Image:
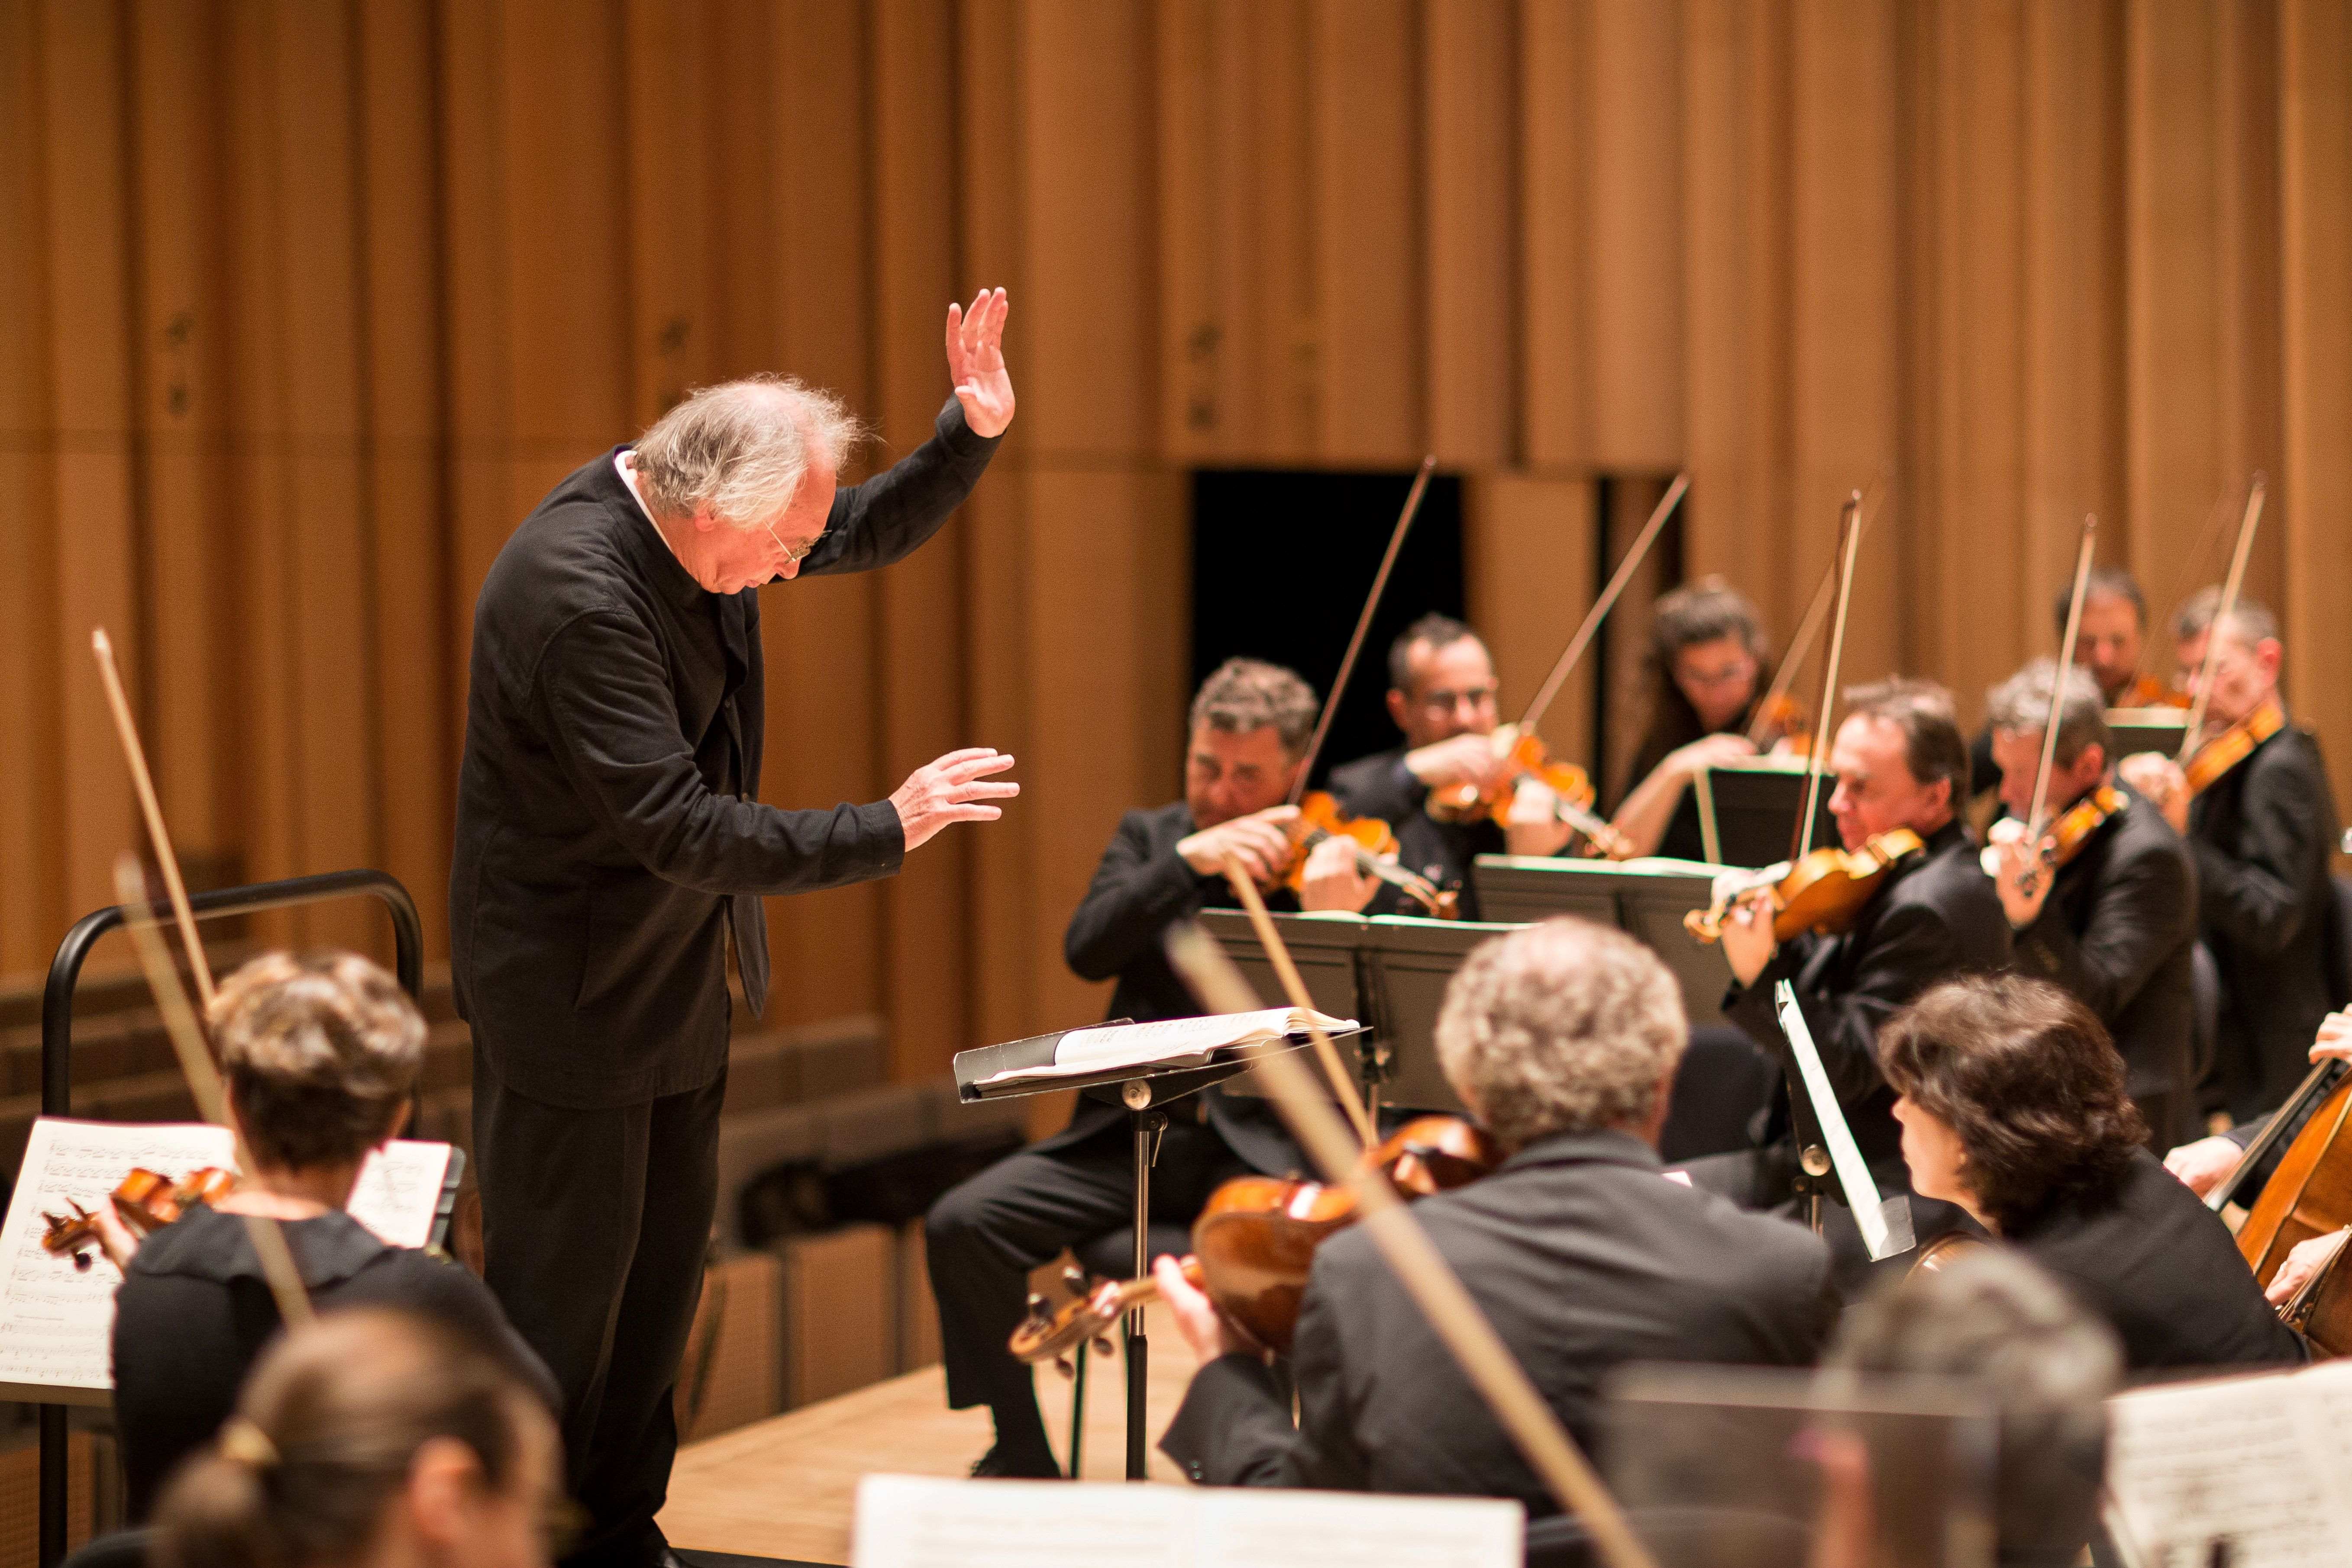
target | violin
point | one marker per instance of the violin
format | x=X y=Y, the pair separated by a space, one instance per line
x=1781 y=718
x=1823 y=891
x=1320 y=817
x=2233 y=745
x=1944 y=1251
x=146 y=1200
x=2309 y=1194
x=1255 y=1240
x=2065 y=837
x=1528 y=759
x=2147 y=692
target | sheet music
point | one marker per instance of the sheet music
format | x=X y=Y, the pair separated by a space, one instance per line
x=1167 y=1042
x=920 y=1521
x=2187 y=1465
x=1878 y=1230
x=56 y=1320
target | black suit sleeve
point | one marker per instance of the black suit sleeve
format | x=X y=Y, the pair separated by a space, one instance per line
x=2256 y=895
x=612 y=720
x=879 y=521
x=2135 y=924
x=1135 y=894
x=1233 y=1429
x=1379 y=786
x=1913 y=944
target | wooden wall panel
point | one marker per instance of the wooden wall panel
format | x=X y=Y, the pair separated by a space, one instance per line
x=1555 y=118
x=1635 y=238
x=1469 y=204
x=1528 y=550
x=1370 y=345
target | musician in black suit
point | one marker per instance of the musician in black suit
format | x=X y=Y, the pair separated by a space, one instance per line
x=1708 y=667
x=609 y=847
x=1562 y=1037
x=2115 y=923
x=2013 y=1105
x=2263 y=829
x=1441 y=692
x=1898 y=760
x=1249 y=725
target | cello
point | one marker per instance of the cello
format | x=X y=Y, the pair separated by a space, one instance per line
x=2309 y=1194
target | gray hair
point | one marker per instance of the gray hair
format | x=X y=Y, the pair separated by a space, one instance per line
x=743 y=448
x=1246 y=694
x=2022 y=704
x=2045 y=1363
x=1567 y=1027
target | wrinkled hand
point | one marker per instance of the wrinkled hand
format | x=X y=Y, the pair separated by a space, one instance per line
x=2334 y=1041
x=2202 y=1165
x=951 y=790
x=1197 y=1319
x=2159 y=778
x=1262 y=841
x=1708 y=752
x=1749 y=943
x=1333 y=880
x=1461 y=758
x=976 y=362
x=1535 y=827
x=2023 y=878
x=2302 y=1263
x=114 y=1238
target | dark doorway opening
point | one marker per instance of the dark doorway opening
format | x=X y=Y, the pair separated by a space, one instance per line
x=1281 y=562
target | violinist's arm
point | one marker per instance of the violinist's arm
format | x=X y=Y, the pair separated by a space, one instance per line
x=1233 y=1428
x=1133 y=897
x=2146 y=910
x=114 y=1238
x=1650 y=809
x=1912 y=948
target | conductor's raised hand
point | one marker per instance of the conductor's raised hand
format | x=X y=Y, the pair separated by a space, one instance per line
x=976 y=362
x=956 y=788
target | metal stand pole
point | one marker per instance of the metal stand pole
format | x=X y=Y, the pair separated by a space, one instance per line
x=1149 y=1125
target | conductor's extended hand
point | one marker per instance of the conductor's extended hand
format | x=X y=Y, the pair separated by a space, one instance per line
x=951 y=790
x=976 y=362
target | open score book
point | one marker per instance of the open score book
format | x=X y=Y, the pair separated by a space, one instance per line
x=1170 y=1042
x=56 y=1321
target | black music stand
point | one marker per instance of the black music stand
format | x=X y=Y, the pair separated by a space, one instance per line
x=2147 y=730
x=56 y=1065
x=1142 y=1091
x=1748 y=810
x=1644 y=898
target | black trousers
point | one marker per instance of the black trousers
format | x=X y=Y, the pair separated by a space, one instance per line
x=984 y=1236
x=595 y=1224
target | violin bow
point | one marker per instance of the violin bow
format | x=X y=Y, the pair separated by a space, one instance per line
x=166 y=859
x=1602 y=605
x=1849 y=545
x=2186 y=573
x=2064 y=668
x=1278 y=953
x=2221 y=612
x=203 y=1079
x=1809 y=627
x=1363 y=626
x=1484 y=1360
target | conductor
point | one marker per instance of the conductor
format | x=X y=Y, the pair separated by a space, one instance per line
x=610 y=847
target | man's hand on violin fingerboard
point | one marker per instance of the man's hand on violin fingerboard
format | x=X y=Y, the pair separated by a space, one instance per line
x=2159 y=778
x=1261 y=840
x=1749 y=943
x=1332 y=880
x=1462 y=759
x=1535 y=827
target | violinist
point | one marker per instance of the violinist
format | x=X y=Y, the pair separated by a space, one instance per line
x=1250 y=723
x=1899 y=762
x=1441 y=694
x=320 y=1053
x=2109 y=644
x=1707 y=665
x=1562 y=1038
x=2105 y=906
x=2256 y=807
x=2012 y=1106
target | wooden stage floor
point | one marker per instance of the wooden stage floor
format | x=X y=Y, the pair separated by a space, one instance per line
x=786 y=1487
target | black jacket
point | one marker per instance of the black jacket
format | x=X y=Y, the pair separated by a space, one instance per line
x=1380 y=785
x=2119 y=929
x=2162 y=1268
x=1583 y=1256
x=195 y=1309
x=2263 y=834
x=608 y=830
x=1936 y=916
x=1141 y=886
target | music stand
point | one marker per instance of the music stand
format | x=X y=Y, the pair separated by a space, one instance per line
x=1644 y=898
x=1747 y=809
x=2147 y=730
x=1142 y=1091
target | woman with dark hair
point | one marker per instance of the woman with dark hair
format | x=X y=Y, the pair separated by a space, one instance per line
x=1707 y=669
x=2013 y=1107
x=371 y=1440
x=319 y=1053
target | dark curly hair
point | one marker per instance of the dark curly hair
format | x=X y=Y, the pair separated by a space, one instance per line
x=2027 y=1078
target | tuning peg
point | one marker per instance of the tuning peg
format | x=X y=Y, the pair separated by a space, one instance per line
x=1039 y=1311
x=1076 y=1279
x=1061 y=1365
x=1103 y=1345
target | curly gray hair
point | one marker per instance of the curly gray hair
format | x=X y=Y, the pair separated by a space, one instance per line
x=743 y=448
x=2022 y=704
x=1565 y=1026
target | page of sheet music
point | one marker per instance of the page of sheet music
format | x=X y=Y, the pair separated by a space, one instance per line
x=56 y=1319
x=2190 y=1465
x=911 y=1522
x=1166 y=1042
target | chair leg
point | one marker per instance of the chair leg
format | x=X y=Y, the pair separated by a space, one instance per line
x=1078 y=1409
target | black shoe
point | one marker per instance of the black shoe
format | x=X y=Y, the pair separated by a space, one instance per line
x=1005 y=1464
